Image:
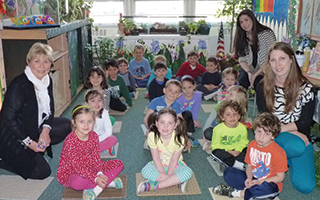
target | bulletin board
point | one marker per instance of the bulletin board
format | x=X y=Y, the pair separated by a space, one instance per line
x=309 y=18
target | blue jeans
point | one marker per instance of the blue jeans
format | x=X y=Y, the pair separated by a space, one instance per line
x=300 y=160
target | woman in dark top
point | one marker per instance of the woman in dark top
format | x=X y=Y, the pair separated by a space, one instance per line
x=251 y=44
x=27 y=125
x=286 y=93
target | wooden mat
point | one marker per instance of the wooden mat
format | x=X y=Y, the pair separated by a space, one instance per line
x=107 y=193
x=144 y=129
x=207 y=108
x=115 y=112
x=215 y=166
x=192 y=188
x=107 y=156
x=136 y=95
x=219 y=197
x=116 y=128
x=145 y=110
x=202 y=141
x=15 y=187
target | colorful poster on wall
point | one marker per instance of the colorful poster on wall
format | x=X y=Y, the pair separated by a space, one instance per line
x=274 y=10
x=314 y=68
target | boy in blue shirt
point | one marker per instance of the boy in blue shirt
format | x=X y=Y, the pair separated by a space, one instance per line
x=140 y=67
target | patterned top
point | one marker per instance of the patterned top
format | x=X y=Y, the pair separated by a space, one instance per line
x=265 y=38
x=79 y=158
x=305 y=96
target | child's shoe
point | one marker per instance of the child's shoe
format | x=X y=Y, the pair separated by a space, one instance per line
x=223 y=190
x=118 y=182
x=88 y=194
x=194 y=142
x=147 y=186
x=132 y=95
x=146 y=95
x=183 y=187
x=110 y=151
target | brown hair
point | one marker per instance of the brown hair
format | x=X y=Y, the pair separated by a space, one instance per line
x=269 y=123
x=138 y=46
x=181 y=128
x=122 y=60
x=99 y=71
x=230 y=70
x=159 y=65
x=241 y=96
x=90 y=94
x=231 y=104
x=82 y=109
x=292 y=83
x=174 y=82
x=159 y=58
x=193 y=53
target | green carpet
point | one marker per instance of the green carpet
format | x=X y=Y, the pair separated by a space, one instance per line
x=134 y=157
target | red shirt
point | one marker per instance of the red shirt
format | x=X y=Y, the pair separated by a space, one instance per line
x=266 y=162
x=185 y=69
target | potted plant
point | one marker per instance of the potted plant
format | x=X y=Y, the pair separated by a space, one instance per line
x=121 y=25
x=193 y=28
x=130 y=27
x=78 y=9
x=204 y=27
x=101 y=50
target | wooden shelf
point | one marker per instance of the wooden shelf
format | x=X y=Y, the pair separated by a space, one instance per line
x=58 y=54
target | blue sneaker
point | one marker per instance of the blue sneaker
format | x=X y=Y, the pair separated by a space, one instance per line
x=118 y=182
x=194 y=142
x=88 y=194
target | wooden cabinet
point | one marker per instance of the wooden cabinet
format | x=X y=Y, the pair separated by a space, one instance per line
x=70 y=59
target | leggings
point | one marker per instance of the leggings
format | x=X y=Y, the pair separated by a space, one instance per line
x=108 y=143
x=300 y=160
x=114 y=167
x=150 y=171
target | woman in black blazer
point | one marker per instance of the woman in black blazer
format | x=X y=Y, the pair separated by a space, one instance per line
x=27 y=124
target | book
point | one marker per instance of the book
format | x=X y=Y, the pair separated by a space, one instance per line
x=314 y=66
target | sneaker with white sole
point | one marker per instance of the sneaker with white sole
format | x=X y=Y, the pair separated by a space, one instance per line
x=183 y=187
x=223 y=190
x=88 y=194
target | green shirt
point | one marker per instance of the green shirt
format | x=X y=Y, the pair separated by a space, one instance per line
x=118 y=88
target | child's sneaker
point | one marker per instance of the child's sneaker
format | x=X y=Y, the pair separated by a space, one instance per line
x=216 y=159
x=110 y=151
x=132 y=95
x=223 y=190
x=88 y=194
x=118 y=182
x=147 y=186
x=183 y=187
x=194 y=142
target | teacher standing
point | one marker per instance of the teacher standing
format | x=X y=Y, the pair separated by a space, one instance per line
x=251 y=44
x=27 y=125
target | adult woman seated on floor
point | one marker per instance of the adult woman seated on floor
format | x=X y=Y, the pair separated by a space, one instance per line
x=286 y=93
x=251 y=44
x=27 y=125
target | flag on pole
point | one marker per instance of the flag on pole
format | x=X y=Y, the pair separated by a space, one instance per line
x=220 y=48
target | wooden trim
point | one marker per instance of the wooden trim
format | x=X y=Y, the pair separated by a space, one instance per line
x=58 y=54
x=8 y=34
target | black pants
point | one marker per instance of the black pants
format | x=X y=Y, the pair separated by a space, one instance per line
x=116 y=104
x=187 y=116
x=227 y=158
x=244 y=80
x=207 y=133
x=61 y=127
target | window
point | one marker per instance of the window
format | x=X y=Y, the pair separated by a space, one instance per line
x=208 y=8
x=106 y=12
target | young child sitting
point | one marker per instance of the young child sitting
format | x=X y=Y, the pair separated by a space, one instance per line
x=126 y=75
x=267 y=164
x=160 y=58
x=230 y=137
x=96 y=79
x=211 y=78
x=229 y=78
x=118 y=87
x=103 y=126
x=80 y=166
x=140 y=67
x=166 y=140
x=192 y=68
x=235 y=93
x=156 y=86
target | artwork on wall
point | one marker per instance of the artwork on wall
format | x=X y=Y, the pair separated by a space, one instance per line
x=316 y=18
x=314 y=68
x=309 y=18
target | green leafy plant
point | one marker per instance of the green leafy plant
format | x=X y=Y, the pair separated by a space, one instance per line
x=129 y=25
x=101 y=50
x=78 y=9
x=193 y=28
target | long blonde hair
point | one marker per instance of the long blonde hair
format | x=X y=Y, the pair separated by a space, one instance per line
x=292 y=83
x=241 y=97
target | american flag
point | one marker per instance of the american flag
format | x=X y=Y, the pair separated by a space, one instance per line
x=220 y=47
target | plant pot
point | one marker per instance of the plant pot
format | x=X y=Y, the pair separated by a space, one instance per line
x=121 y=28
x=204 y=30
x=135 y=32
x=300 y=59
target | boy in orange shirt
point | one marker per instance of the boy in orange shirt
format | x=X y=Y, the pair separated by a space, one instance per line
x=267 y=164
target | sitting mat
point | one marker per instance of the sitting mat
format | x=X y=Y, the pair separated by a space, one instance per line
x=215 y=165
x=219 y=197
x=107 y=193
x=116 y=128
x=207 y=108
x=116 y=112
x=107 y=156
x=15 y=187
x=192 y=188
x=136 y=95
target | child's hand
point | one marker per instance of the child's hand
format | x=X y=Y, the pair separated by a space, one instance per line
x=248 y=183
x=197 y=124
x=257 y=182
x=234 y=153
x=102 y=180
